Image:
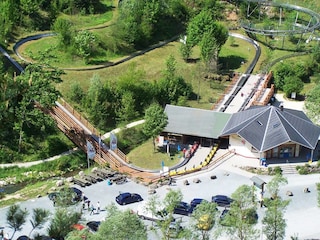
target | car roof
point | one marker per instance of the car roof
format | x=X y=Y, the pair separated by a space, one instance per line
x=221 y=196
x=197 y=200
x=124 y=195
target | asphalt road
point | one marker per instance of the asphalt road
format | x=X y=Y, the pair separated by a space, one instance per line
x=302 y=214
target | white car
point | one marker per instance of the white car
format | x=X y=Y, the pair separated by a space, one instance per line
x=144 y=212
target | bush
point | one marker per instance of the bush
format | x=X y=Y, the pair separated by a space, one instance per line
x=304 y=170
x=278 y=170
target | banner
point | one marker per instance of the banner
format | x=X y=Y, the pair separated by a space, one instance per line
x=113 y=141
x=91 y=152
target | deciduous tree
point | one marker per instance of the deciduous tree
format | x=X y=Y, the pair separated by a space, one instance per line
x=292 y=84
x=274 y=224
x=204 y=216
x=120 y=225
x=155 y=120
x=242 y=214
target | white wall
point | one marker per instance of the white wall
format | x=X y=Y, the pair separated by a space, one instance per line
x=241 y=146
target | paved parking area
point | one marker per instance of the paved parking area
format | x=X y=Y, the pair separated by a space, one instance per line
x=302 y=214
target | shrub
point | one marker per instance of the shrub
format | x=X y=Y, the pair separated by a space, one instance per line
x=303 y=170
x=278 y=170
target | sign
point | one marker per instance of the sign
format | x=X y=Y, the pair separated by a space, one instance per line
x=113 y=141
x=91 y=152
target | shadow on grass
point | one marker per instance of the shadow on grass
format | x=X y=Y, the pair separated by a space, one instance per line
x=231 y=62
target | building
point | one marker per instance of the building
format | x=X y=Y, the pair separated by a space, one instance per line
x=258 y=132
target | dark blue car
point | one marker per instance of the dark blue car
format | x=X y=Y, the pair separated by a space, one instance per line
x=183 y=208
x=222 y=200
x=127 y=198
x=196 y=201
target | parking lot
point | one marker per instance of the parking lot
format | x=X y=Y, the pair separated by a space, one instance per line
x=302 y=213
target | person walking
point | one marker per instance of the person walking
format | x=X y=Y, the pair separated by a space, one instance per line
x=98 y=207
x=88 y=204
x=92 y=209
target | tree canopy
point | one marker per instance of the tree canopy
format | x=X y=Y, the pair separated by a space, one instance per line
x=120 y=225
x=155 y=120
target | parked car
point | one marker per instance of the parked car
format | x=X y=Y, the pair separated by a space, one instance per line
x=53 y=195
x=144 y=212
x=223 y=216
x=23 y=237
x=222 y=200
x=78 y=194
x=174 y=229
x=196 y=201
x=183 y=208
x=93 y=225
x=127 y=198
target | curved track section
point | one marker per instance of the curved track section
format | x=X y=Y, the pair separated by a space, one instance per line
x=298 y=30
x=13 y=62
x=27 y=39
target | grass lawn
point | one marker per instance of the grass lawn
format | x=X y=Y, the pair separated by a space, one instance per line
x=27 y=192
x=144 y=156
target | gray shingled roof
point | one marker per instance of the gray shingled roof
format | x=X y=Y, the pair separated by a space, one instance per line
x=195 y=122
x=266 y=127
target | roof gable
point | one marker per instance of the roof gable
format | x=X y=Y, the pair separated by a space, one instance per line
x=266 y=127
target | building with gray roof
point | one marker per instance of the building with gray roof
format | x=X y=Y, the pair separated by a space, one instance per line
x=258 y=132
x=187 y=124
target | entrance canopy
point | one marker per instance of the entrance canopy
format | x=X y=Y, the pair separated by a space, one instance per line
x=258 y=182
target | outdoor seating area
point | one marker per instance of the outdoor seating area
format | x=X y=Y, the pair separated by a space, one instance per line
x=99 y=175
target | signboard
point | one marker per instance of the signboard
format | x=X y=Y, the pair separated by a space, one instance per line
x=91 y=152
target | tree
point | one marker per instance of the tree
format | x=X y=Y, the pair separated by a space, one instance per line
x=273 y=221
x=127 y=112
x=282 y=71
x=120 y=225
x=133 y=82
x=170 y=87
x=35 y=86
x=209 y=51
x=203 y=30
x=273 y=187
x=16 y=218
x=185 y=51
x=292 y=84
x=64 y=30
x=76 y=92
x=39 y=217
x=204 y=215
x=84 y=41
x=312 y=104
x=242 y=214
x=171 y=200
x=100 y=102
x=62 y=222
x=155 y=121
x=7 y=20
x=274 y=224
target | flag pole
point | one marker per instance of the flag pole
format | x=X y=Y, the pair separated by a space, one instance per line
x=88 y=160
